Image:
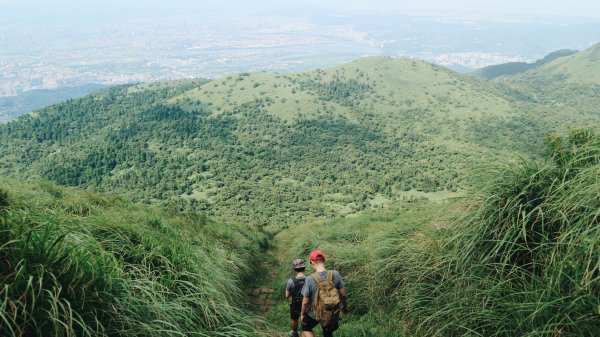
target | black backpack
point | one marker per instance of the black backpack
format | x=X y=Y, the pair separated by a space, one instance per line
x=297 y=289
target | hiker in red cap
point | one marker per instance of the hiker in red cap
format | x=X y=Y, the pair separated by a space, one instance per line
x=324 y=293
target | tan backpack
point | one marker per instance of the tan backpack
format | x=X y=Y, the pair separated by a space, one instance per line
x=326 y=304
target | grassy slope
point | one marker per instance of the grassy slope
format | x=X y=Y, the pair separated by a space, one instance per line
x=399 y=88
x=579 y=68
x=566 y=90
x=359 y=248
x=406 y=97
x=519 y=258
x=74 y=263
x=514 y=68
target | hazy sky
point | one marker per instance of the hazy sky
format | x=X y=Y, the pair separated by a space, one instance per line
x=106 y=9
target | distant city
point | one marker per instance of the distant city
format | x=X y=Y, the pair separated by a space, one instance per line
x=53 y=56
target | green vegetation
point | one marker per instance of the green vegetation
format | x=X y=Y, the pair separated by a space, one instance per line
x=513 y=68
x=354 y=247
x=565 y=91
x=578 y=68
x=520 y=257
x=361 y=160
x=80 y=264
x=287 y=148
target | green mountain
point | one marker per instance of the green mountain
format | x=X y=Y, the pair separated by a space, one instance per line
x=513 y=68
x=275 y=148
x=579 y=68
x=568 y=87
x=254 y=170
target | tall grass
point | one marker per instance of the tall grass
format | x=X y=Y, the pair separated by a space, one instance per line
x=79 y=264
x=352 y=246
x=524 y=262
x=519 y=257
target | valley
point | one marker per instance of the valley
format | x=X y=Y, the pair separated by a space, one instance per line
x=451 y=204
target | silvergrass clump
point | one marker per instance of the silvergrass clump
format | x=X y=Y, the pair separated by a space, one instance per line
x=116 y=268
x=525 y=262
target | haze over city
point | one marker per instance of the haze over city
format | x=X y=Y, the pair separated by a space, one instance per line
x=75 y=44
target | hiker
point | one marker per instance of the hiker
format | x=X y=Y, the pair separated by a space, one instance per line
x=322 y=293
x=293 y=290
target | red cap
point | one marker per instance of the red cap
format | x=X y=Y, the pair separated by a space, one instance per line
x=317 y=255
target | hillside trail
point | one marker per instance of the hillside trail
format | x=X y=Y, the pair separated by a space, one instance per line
x=262 y=294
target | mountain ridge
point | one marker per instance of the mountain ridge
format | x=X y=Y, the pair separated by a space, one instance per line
x=513 y=68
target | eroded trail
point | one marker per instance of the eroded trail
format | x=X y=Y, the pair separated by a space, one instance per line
x=261 y=299
x=265 y=294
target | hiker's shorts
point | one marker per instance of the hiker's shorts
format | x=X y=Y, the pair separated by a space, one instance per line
x=295 y=309
x=311 y=323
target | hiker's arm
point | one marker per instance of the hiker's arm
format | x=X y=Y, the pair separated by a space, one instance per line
x=343 y=296
x=288 y=289
x=304 y=307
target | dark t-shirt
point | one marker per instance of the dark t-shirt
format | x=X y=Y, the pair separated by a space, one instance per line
x=310 y=288
x=290 y=284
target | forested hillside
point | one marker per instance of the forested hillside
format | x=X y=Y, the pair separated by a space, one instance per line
x=277 y=148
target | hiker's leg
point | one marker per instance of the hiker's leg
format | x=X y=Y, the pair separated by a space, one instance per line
x=328 y=331
x=294 y=316
x=308 y=325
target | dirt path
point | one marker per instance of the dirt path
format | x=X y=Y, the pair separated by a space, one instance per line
x=261 y=299
x=262 y=295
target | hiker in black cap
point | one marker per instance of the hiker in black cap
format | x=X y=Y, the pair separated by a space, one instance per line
x=293 y=290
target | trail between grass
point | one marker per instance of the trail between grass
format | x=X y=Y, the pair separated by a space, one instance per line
x=262 y=295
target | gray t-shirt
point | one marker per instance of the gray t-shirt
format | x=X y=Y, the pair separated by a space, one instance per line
x=310 y=288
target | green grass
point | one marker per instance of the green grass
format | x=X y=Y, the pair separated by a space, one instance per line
x=82 y=264
x=517 y=257
x=523 y=262
x=353 y=247
x=573 y=69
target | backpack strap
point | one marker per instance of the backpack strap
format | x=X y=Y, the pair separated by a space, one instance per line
x=330 y=276
x=296 y=292
x=316 y=277
x=297 y=281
